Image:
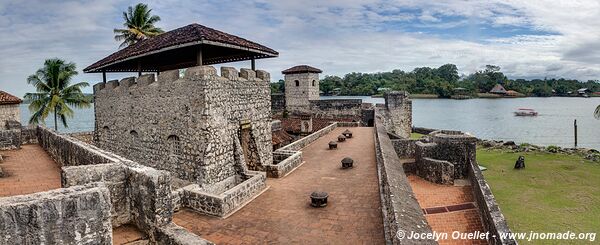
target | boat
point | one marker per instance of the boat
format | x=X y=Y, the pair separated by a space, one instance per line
x=526 y=112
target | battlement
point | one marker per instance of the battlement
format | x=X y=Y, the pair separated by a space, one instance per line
x=192 y=73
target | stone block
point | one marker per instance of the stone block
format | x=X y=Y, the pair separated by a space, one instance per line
x=76 y=215
x=145 y=80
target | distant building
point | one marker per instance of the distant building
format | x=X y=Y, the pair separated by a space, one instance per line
x=301 y=86
x=9 y=108
x=498 y=89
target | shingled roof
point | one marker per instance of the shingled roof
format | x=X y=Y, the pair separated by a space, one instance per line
x=178 y=49
x=8 y=99
x=301 y=69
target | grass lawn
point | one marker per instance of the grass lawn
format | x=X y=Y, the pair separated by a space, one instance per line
x=416 y=135
x=554 y=193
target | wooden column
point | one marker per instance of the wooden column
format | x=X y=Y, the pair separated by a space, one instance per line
x=104 y=76
x=139 y=69
x=253 y=64
x=199 y=57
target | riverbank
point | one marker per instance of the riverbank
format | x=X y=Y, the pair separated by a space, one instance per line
x=554 y=192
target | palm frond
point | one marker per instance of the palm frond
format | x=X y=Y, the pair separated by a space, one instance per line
x=597 y=113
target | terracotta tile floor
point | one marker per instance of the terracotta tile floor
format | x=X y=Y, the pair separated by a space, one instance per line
x=283 y=214
x=127 y=234
x=30 y=169
x=434 y=195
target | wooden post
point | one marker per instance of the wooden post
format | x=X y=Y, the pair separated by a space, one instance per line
x=139 y=69
x=103 y=76
x=253 y=64
x=199 y=56
x=575 y=125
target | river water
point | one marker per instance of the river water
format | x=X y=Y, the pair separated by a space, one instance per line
x=485 y=118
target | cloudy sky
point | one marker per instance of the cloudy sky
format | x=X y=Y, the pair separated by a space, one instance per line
x=528 y=39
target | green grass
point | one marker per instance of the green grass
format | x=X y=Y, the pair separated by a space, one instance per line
x=416 y=135
x=554 y=193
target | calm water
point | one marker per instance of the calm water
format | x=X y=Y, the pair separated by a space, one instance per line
x=485 y=118
x=494 y=118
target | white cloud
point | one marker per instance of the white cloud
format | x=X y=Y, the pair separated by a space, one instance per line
x=338 y=36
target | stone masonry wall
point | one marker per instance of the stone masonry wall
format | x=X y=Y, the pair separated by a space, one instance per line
x=400 y=208
x=139 y=195
x=398 y=119
x=186 y=125
x=297 y=97
x=335 y=109
x=9 y=113
x=76 y=215
x=277 y=103
x=493 y=219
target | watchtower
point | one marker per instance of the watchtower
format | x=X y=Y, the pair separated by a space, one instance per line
x=301 y=86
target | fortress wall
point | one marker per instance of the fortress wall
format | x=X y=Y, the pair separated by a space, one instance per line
x=277 y=103
x=400 y=208
x=9 y=113
x=335 y=109
x=76 y=215
x=186 y=125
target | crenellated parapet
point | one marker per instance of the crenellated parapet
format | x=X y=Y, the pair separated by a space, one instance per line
x=193 y=73
x=188 y=124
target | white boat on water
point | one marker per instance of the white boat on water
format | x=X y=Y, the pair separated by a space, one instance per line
x=526 y=112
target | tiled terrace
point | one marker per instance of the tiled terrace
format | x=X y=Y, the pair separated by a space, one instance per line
x=29 y=169
x=283 y=215
x=444 y=212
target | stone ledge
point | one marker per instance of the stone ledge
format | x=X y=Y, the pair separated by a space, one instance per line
x=493 y=219
x=400 y=208
x=227 y=202
x=280 y=168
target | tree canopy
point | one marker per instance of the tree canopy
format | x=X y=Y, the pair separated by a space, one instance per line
x=139 y=25
x=55 y=92
x=443 y=81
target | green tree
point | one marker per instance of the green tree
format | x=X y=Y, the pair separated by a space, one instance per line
x=139 y=25
x=55 y=93
x=448 y=72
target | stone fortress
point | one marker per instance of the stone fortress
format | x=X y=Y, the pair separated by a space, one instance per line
x=207 y=141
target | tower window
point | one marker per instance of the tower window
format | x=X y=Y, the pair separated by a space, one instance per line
x=297 y=83
x=314 y=83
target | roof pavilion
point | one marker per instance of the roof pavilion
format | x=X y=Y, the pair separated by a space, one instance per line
x=188 y=46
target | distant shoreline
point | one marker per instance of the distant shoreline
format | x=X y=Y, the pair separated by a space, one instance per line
x=479 y=96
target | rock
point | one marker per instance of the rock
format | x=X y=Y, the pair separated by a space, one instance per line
x=509 y=143
x=520 y=164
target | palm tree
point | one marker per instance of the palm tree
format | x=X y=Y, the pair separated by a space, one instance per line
x=139 y=25
x=55 y=93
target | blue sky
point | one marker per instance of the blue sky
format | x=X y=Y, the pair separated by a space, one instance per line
x=528 y=39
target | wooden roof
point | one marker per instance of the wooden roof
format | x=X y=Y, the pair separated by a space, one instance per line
x=301 y=69
x=8 y=99
x=498 y=89
x=179 y=48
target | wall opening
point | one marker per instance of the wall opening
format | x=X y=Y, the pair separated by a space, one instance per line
x=297 y=83
x=134 y=139
x=313 y=83
x=249 y=148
